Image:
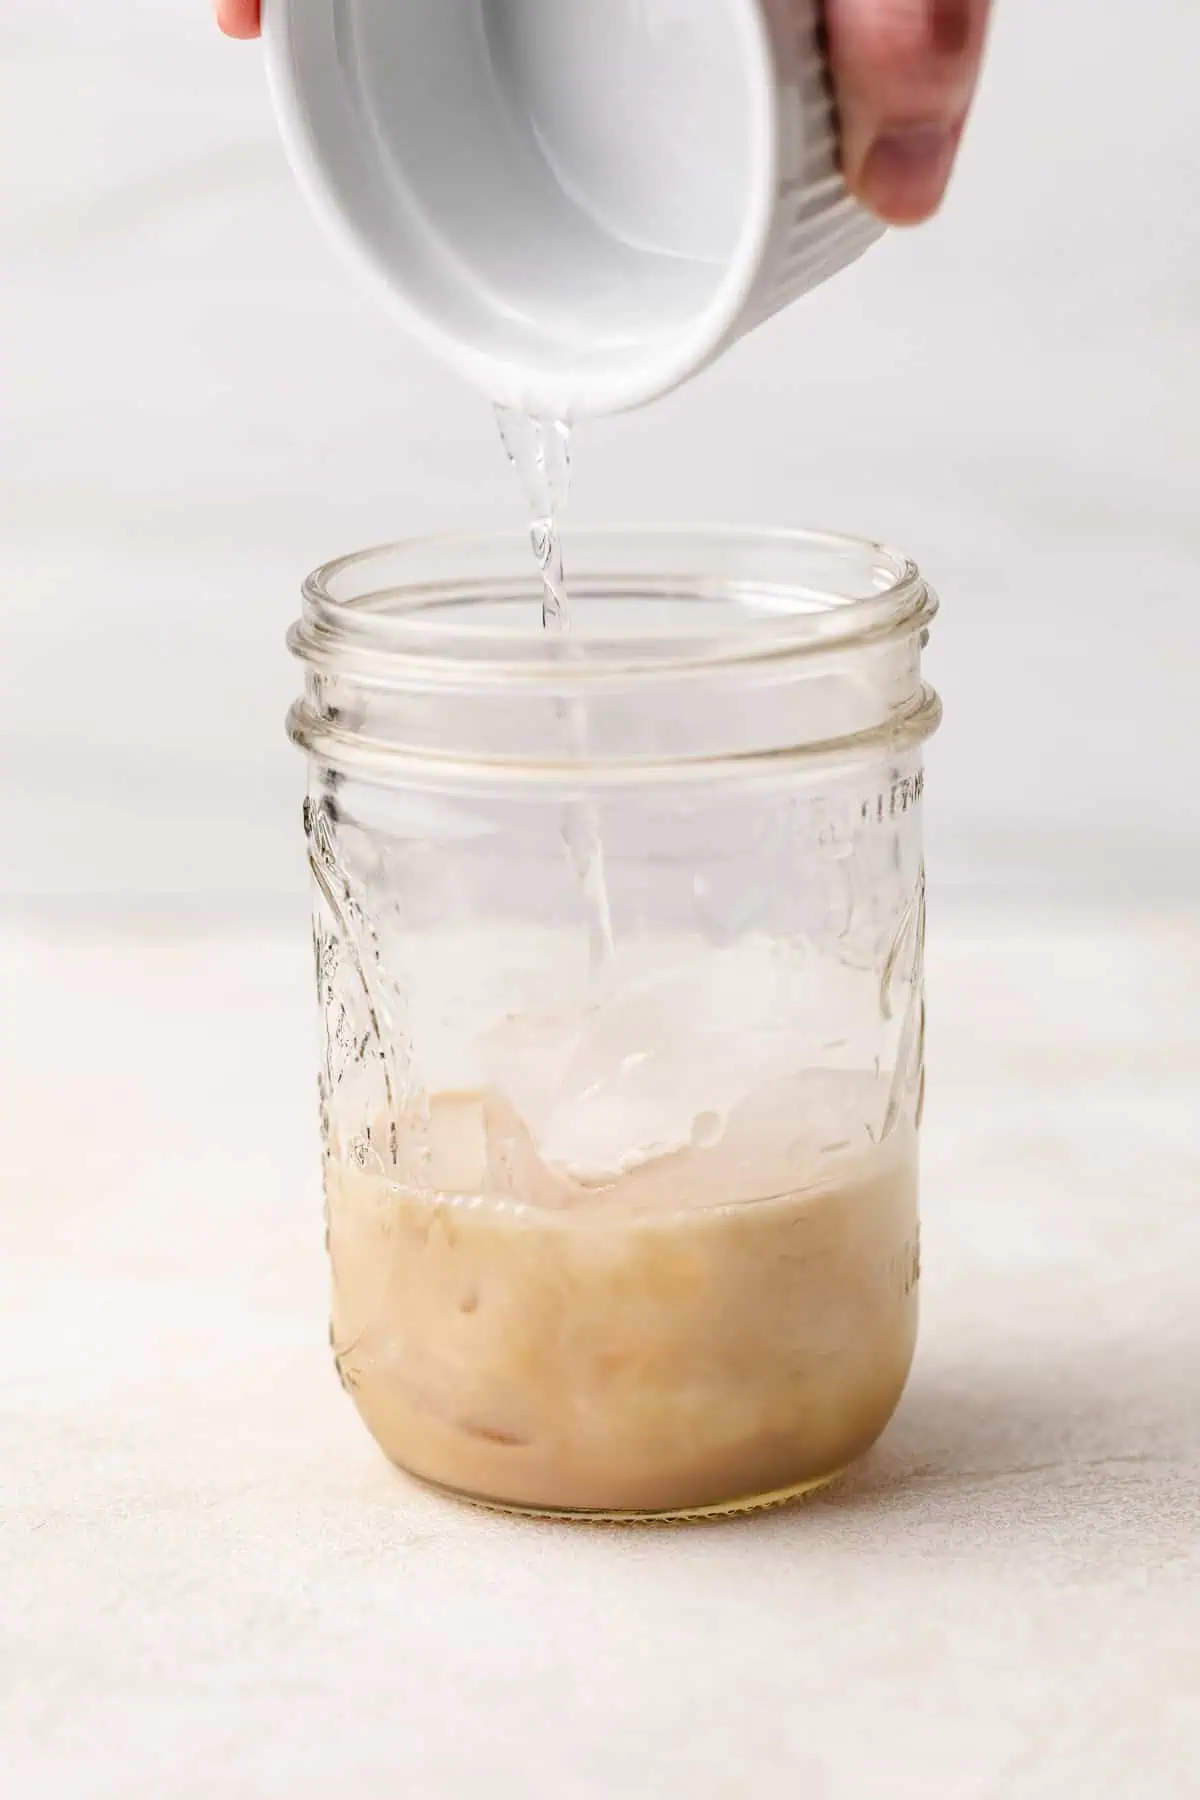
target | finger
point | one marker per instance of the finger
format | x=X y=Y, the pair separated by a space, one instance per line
x=905 y=72
x=238 y=18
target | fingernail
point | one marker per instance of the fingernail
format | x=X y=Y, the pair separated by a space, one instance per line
x=906 y=171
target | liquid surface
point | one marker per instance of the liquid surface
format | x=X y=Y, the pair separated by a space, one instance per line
x=714 y=1325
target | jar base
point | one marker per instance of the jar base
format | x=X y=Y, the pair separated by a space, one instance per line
x=684 y=1515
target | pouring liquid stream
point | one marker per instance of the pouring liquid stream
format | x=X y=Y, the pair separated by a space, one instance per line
x=540 y=453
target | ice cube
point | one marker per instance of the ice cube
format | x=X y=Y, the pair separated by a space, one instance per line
x=612 y=1088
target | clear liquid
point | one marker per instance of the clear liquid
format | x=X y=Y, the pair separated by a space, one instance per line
x=540 y=453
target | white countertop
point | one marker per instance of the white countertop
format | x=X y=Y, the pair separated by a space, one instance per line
x=213 y=1585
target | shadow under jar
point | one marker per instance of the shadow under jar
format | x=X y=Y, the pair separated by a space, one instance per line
x=619 y=948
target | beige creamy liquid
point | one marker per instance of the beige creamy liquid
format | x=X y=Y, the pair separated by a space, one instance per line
x=715 y=1326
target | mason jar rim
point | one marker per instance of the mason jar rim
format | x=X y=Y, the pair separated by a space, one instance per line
x=427 y=662
x=395 y=615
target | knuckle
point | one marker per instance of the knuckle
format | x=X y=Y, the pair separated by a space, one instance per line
x=916 y=54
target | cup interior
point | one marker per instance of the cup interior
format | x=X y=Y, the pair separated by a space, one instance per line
x=570 y=190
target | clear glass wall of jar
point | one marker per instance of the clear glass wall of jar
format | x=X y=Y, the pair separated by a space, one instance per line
x=619 y=947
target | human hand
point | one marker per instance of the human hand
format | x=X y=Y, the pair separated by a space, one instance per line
x=905 y=73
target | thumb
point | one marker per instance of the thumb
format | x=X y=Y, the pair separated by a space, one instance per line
x=238 y=18
x=905 y=72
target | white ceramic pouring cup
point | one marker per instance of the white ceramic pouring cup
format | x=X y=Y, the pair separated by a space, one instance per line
x=577 y=203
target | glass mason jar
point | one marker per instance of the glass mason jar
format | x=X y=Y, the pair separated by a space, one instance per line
x=619 y=948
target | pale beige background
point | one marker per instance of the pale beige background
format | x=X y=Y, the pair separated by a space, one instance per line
x=196 y=405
